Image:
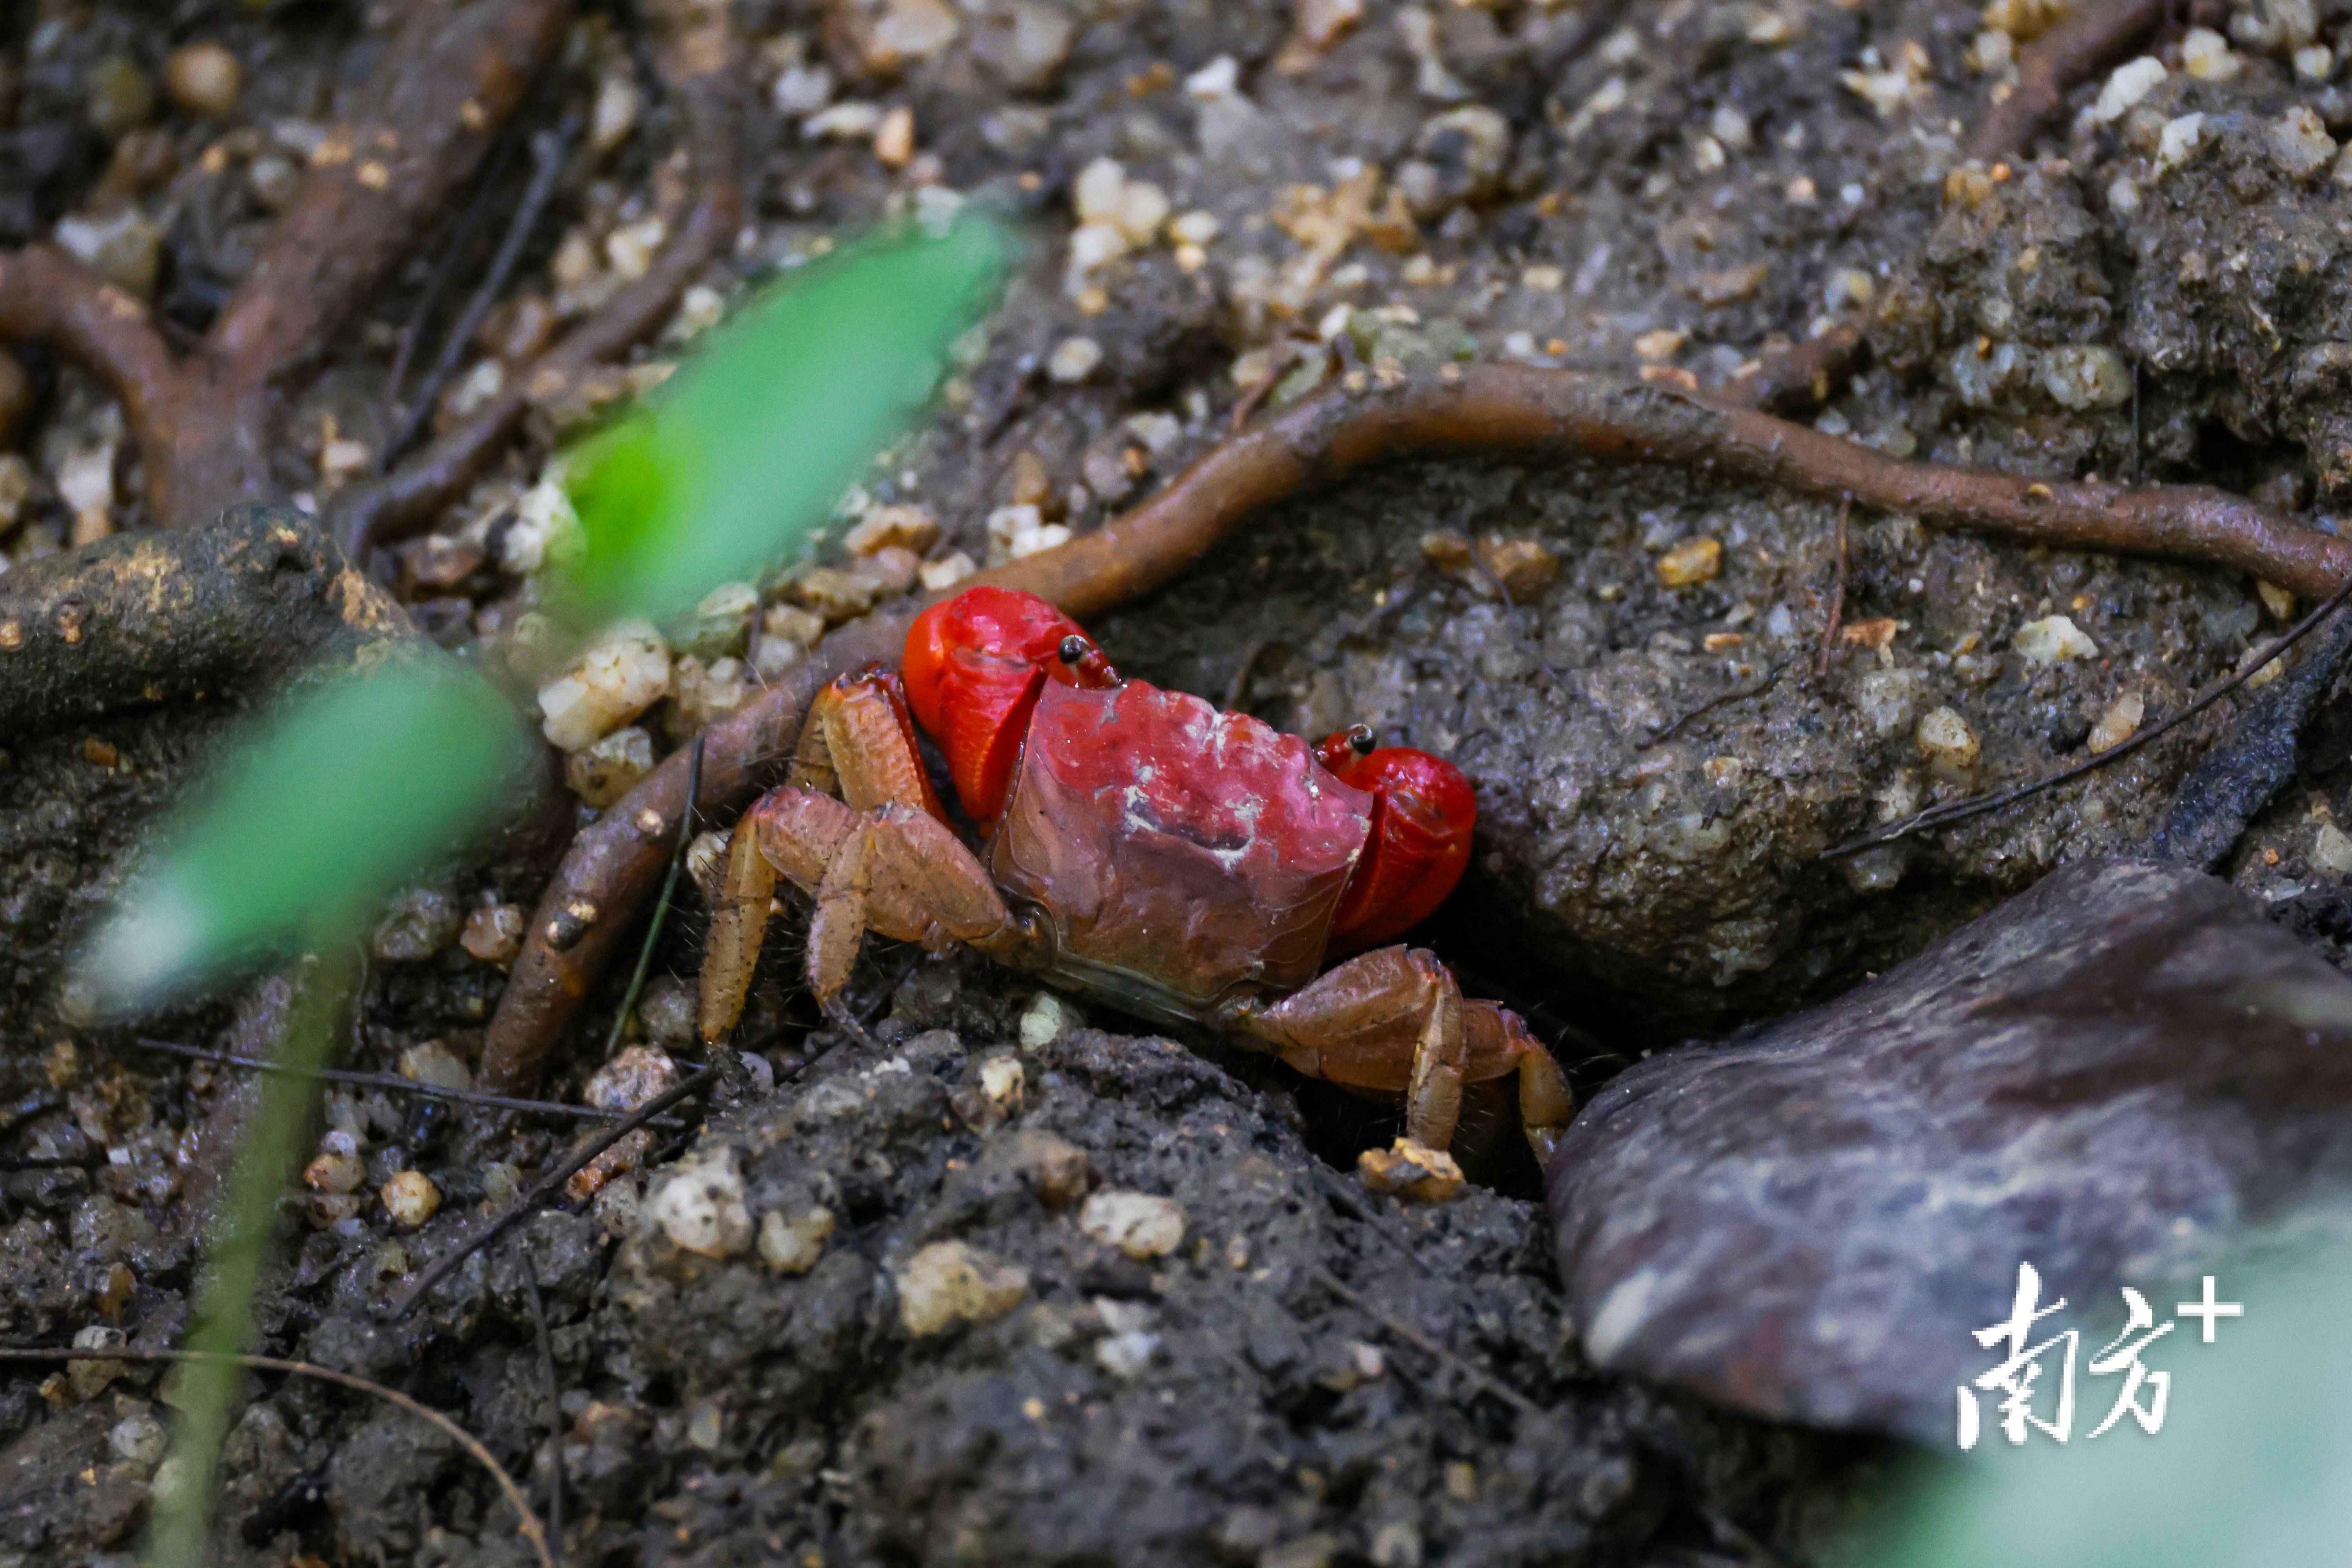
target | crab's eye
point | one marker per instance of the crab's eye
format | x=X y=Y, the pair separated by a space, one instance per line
x=1074 y=649
x=1360 y=739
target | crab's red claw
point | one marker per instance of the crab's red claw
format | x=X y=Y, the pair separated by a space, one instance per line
x=1422 y=814
x=974 y=666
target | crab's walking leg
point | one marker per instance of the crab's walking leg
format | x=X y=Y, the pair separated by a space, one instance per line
x=1389 y=1021
x=738 y=919
x=1500 y=1045
x=900 y=873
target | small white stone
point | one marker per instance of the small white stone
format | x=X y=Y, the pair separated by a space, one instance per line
x=139 y=1437
x=603 y=772
x=700 y=1207
x=410 y=1198
x=2126 y=85
x=1043 y=1021
x=793 y=1245
x=2178 y=140
x=2053 y=639
x=1129 y=1355
x=630 y=250
x=947 y=571
x=2119 y=723
x=1950 y=747
x=435 y=1063
x=615 y=113
x=2086 y=375
x=2332 y=850
x=1199 y=227
x=2300 y=142
x=1074 y=359
x=801 y=91
x=851 y=121
x=706 y=1425
x=1003 y=1080
x=907 y=526
x=1219 y=79
x=1139 y=1223
x=2314 y=62
x=619 y=678
x=1093 y=245
x=949 y=1281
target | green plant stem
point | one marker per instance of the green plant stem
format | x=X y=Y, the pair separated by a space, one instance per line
x=223 y=1318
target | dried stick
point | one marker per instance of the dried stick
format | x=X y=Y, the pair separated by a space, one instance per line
x=391 y=1082
x=549 y=1185
x=1427 y=1346
x=612 y=866
x=2095 y=34
x=699 y=63
x=532 y=1531
x=547 y=156
x=1802 y=376
x=1953 y=811
x=551 y=1387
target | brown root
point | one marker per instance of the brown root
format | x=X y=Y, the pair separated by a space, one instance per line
x=612 y=866
x=2095 y=34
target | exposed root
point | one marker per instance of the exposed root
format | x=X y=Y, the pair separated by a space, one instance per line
x=150 y=617
x=2094 y=36
x=698 y=59
x=1799 y=377
x=449 y=76
x=528 y=1522
x=612 y=868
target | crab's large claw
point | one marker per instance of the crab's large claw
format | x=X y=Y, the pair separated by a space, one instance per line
x=1422 y=814
x=974 y=665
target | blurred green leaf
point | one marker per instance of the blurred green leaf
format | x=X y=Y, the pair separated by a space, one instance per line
x=751 y=443
x=2252 y=1465
x=308 y=824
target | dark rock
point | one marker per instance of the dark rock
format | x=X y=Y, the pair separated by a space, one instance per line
x=2110 y=1078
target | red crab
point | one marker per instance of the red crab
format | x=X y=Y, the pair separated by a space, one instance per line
x=1181 y=864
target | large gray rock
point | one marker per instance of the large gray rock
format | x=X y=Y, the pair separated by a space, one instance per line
x=2112 y=1077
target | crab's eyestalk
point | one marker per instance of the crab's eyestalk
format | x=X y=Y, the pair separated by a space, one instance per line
x=1424 y=813
x=974 y=666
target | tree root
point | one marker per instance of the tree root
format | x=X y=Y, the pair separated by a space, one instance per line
x=208 y=425
x=152 y=618
x=449 y=76
x=613 y=866
x=2096 y=35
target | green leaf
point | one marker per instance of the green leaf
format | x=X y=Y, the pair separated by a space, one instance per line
x=731 y=462
x=2253 y=1464
x=308 y=824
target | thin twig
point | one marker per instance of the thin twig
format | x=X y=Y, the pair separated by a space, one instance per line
x=548 y=1187
x=661 y=908
x=547 y=1383
x=1953 y=811
x=548 y=153
x=444 y=272
x=532 y=1531
x=386 y=1080
x=1739 y=694
x=1422 y=1342
x=1837 y=592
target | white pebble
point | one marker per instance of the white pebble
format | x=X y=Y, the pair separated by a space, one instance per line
x=602 y=772
x=2054 y=639
x=1219 y=79
x=2086 y=375
x=435 y=1063
x=2332 y=850
x=2126 y=85
x=1199 y=227
x=615 y=113
x=1138 y=1224
x=1074 y=359
x=1002 y=1081
x=1945 y=739
x=793 y=1245
x=2314 y=62
x=1129 y=1355
x=947 y=571
x=1043 y=1021
x=2119 y=723
x=410 y=1198
x=700 y=1207
x=2178 y=140
x=949 y=1281
x=2300 y=141
x=624 y=674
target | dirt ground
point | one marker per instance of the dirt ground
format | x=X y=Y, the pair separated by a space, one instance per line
x=1305 y=1373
